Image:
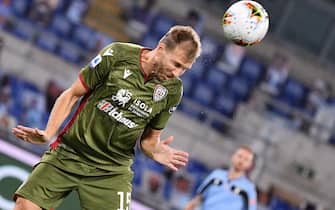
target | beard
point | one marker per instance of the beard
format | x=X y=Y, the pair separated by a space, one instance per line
x=159 y=71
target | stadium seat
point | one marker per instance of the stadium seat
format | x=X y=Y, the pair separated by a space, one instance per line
x=279 y=204
x=195 y=166
x=198 y=68
x=46 y=40
x=293 y=93
x=138 y=169
x=62 y=6
x=197 y=170
x=20 y=7
x=251 y=69
x=332 y=139
x=203 y=94
x=85 y=37
x=217 y=79
x=153 y=165
x=62 y=27
x=240 y=88
x=225 y=104
x=70 y=52
x=211 y=49
x=161 y=25
x=189 y=82
x=150 y=41
x=24 y=29
x=104 y=39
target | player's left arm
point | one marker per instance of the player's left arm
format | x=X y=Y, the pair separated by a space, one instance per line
x=252 y=199
x=160 y=150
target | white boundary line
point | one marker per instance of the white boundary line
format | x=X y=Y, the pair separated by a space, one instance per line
x=18 y=153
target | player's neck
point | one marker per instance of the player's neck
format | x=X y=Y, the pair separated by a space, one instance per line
x=146 y=57
x=234 y=174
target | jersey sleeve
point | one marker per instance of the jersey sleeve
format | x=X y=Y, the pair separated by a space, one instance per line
x=252 y=198
x=160 y=120
x=98 y=69
x=201 y=189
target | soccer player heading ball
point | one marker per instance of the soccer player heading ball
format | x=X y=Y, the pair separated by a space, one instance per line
x=129 y=93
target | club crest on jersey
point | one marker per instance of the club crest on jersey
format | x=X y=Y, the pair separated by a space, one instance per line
x=160 y=93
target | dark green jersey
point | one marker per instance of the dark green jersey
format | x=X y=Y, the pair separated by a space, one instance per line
x=119 y=106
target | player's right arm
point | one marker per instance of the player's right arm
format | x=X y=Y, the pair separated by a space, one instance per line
x=89 y=77
x=194 y=202
x=60 y=111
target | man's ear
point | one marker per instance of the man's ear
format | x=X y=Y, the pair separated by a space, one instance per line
x=161 y=46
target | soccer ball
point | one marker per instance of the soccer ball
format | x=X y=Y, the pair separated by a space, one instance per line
x=245 y=23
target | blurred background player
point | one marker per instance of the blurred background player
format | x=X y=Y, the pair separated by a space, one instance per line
x=228 y=189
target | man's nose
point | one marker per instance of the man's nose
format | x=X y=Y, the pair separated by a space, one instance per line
x=176 y=72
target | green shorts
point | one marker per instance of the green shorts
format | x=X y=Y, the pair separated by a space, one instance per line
x=48 y=185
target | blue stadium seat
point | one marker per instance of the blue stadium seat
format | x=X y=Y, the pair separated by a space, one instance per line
x=293 y=93
x=150 y=41
x=85 y=37
x=46 y=40
x=225 y=104
x=332 y=139
x=5 y=13
x=62 y=6
x=203 y=94
x=240 y=88
x=153 y=165
x=70 y=52
x=198 y=171
x=62 y=27
x=20 y=7
x=189 y=82
x=138 y=169
x=279 y=204
x=161 y=25
x=198 y=69
x=196 y=166
x=24 y=29
x=251 y=69
x=104 y=39
x=217 y=79
x=211 y=49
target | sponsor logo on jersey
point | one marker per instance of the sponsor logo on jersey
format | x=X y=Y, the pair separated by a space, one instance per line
x=109 y=52
x=122 y=97
x=126 y=73
x=140 y=108
x=114 y=112
x=160 y=93
x=95 y=61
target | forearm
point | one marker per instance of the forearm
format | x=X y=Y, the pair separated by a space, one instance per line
x=148 y=146
x=60 y=111
x=194 y=202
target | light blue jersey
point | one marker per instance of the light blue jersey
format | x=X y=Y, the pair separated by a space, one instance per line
x=220 y=193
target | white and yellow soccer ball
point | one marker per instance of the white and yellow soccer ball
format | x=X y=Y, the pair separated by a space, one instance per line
x=245 y=23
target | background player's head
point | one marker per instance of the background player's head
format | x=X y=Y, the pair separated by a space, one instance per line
x=176 y=52
x=242 y=159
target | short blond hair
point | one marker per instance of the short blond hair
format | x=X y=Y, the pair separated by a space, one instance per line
x=183 y=34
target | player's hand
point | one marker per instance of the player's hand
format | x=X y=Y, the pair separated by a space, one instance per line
x=31 y=135
x=168 y=156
